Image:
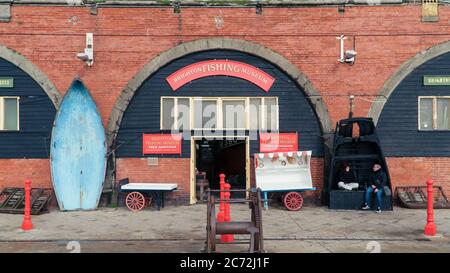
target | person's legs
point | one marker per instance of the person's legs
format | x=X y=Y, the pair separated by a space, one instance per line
x=368 y=196
x=344 y=186
x=379 y=194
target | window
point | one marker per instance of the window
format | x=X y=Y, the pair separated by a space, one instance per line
x=9 y=113
x=434 y=113
x=233 y=113
x=205 y=113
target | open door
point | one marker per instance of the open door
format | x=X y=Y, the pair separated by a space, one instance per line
x=211 y=156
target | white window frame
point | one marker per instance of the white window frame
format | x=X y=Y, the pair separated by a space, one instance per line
x=219 y=117
x=218 y=113
x=246 y=112
x=2 y=113
x=434 y=98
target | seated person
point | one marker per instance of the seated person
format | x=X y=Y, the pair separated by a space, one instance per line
x=377 y=181
x=347 y=179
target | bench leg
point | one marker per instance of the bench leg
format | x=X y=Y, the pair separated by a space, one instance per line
x=158 y=200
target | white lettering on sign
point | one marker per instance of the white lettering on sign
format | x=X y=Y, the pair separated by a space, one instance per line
x=220 y=67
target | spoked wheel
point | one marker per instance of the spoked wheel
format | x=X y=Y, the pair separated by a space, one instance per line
x=135 y=201
x=293 y=201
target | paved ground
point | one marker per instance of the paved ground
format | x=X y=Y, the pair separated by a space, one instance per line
x=182 y=229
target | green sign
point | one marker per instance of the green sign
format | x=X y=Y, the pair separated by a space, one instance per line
x=436 y=80
x=6 y=82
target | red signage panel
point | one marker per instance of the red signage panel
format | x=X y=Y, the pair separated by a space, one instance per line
x=161 y=143
x=278 y=142
x=223 y=68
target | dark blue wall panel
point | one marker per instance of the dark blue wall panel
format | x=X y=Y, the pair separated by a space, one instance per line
x=36 y=116
x=143 y=112
x=398 y=122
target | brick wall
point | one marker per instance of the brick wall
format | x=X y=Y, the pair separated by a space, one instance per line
x=125 y=39
x=13 y=172
x=168 y=170
x=415 y=171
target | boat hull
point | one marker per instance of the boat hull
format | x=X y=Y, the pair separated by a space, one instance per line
x=78 y=151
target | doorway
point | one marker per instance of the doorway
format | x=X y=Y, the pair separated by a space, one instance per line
x=212 y=156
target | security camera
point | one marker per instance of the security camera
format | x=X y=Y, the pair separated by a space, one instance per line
x=88 y=54
x=349 y=56
x=83 y=56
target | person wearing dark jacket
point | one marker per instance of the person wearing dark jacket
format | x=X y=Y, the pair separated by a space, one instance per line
x=347 y=179
x=377 y=181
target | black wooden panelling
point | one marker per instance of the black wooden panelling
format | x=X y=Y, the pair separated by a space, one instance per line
x=36 y=116
x=143 y=112
x=398 y=122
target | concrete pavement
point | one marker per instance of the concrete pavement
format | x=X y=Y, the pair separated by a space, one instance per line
x=182 y=229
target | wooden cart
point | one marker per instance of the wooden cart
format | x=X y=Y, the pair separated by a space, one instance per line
x=140 y=195
x=288 y=173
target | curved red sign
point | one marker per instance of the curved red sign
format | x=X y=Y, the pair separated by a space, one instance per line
x=222 y=68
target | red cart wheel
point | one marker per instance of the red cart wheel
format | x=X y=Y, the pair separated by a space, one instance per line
x=135 y=201
x=293 y=201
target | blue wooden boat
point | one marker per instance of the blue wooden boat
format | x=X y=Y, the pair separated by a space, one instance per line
x=78 y=151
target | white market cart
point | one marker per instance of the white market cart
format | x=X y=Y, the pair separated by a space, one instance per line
x=139 y=195
x=286 y=172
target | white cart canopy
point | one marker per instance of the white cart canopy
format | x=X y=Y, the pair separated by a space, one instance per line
x=287 y=171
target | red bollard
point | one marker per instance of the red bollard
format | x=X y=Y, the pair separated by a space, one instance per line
x=430 y=228
x=227 y=238
x=222 y=197
x=226 y=195
x=27 y=224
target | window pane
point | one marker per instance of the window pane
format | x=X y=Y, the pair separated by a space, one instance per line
x=426 y=114
x=10 y=105
x=255 y=114
x=168 y=115
x=233 y=113
x=271 y=113
x=443 y=114
x=205 y=114
x=183 y=114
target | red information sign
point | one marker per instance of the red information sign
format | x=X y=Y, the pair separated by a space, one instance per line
x=220 y=67
x=278 y=142
x=161 y=144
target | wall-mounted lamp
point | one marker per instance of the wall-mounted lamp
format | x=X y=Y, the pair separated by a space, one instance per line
x=351 y=98
x=347 y=56
x=88 y=54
